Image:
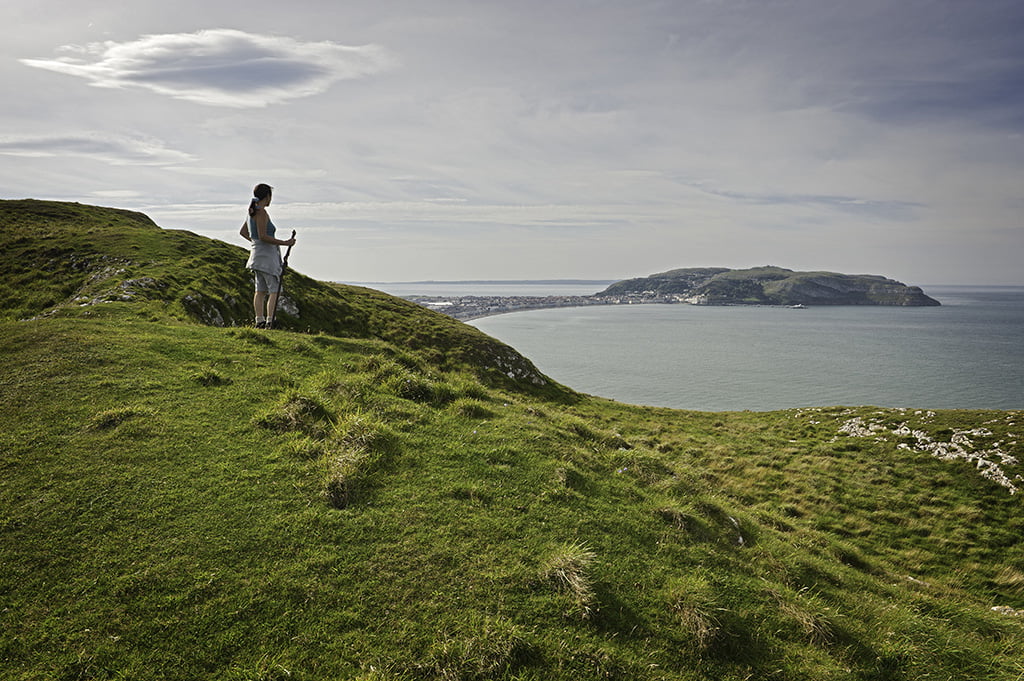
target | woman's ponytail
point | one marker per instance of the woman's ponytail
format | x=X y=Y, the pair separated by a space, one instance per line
x=260 y=192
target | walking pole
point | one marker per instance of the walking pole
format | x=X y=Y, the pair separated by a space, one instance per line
x=280 y=285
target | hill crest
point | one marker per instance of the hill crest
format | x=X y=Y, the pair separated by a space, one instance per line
x=73 y=259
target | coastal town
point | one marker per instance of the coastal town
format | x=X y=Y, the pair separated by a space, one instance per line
x=474 y=307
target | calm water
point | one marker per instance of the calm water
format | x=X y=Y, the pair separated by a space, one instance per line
x=969 y=353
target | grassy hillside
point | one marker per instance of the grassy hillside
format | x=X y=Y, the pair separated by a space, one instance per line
x=67 y=259
x=182 y=500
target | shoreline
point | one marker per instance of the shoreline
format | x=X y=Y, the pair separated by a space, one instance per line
x=468 y=308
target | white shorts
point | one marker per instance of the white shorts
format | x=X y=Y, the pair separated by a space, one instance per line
x=266 y=282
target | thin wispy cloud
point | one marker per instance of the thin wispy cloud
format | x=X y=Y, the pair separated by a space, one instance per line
x=105 y=147
x=895 y=210
x=220 y=67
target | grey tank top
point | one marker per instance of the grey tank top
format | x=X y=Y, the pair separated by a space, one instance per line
x=263 y=256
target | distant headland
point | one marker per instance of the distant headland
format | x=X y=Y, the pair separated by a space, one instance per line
x=706 y=286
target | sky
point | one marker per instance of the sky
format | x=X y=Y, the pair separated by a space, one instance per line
x=412 y=140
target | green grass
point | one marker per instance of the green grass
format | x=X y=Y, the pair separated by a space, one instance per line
x=183 y=501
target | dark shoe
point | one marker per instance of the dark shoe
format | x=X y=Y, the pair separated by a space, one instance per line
x=261 y=325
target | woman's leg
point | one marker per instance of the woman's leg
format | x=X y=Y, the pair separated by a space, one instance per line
x=259 y=305
x=271 y=305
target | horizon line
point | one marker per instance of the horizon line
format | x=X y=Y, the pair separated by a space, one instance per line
x=602 y=281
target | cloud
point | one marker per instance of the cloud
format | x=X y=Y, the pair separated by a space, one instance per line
x=892 y=210
x=121 y=194
x=449 y=213
x=106 y=147
x=276 y=173
x=220 y=67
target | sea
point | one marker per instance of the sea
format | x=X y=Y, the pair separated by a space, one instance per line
x=966 y=354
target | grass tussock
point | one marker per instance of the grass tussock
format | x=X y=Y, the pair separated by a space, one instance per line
x=685 y=524
x=693 y=603
x=303 y=447
x=570 y=478
x=568 y=570
x=210 y=378
x=253 y=336
x=472 y=408
x=112 y=418
x=343 y=474
x=491 y=648
x=297 y=412
x=808 y=616
x=360 y=431
x=1010 y=579
x=356 y=448
x=388 y=671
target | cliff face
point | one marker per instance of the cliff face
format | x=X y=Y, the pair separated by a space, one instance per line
x=771 y=286
x=838 y=289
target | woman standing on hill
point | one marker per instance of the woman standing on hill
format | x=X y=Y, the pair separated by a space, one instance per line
x=264 y=255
